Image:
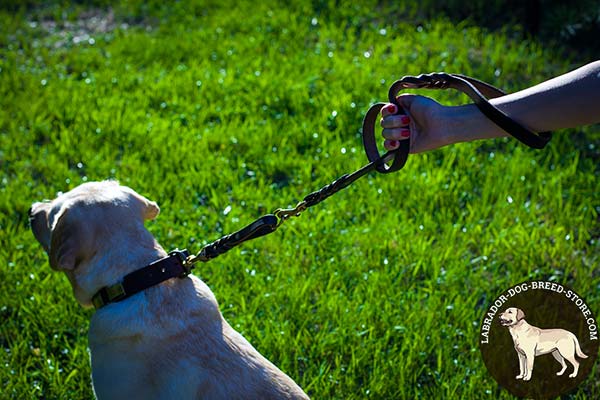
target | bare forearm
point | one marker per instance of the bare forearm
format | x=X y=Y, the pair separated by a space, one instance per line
x=567 y=101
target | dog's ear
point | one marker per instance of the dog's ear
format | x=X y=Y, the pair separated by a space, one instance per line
x=63 y=243
x=520 y=314
x=151 y=209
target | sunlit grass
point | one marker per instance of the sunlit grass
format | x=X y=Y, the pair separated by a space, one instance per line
x=377 y=292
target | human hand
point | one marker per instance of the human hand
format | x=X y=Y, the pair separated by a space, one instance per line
x=566 y=101
x=427 y=124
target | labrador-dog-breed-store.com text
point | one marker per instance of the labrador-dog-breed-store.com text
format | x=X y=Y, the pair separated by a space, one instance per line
x=169 y=341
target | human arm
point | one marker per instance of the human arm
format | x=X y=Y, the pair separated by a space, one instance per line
x=567 y=101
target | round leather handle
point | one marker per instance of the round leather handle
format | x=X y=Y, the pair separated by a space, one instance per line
x=400 y=155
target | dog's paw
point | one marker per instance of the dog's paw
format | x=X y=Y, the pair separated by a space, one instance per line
x=573 y=375
x=527 y=378
x=519 y=377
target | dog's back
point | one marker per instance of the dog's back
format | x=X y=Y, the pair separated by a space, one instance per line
x=178 y=345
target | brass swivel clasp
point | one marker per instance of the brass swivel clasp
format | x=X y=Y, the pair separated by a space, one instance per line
x=283 y=214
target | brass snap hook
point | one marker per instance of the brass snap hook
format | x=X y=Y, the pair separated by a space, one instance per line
x=283 y=214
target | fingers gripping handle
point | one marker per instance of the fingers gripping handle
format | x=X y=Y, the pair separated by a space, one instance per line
x=399 y=155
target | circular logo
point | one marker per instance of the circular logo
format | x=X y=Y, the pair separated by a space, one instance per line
x=539 y=339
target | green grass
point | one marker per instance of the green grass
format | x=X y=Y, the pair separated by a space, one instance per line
x=376 y=293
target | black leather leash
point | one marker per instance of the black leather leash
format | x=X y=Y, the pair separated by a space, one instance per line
x=179 y=263
x=475 y=89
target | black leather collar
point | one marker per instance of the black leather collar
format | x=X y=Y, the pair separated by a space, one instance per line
x=172 y=266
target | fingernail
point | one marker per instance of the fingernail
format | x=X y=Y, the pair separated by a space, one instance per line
x=392 y=109
x=405 y=120
x=394 y=143
x=405 y=133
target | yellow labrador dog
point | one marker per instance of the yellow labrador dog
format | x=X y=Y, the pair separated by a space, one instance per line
x=531 y=341
x=168 y=341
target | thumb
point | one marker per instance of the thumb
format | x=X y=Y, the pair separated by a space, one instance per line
x=405 y=101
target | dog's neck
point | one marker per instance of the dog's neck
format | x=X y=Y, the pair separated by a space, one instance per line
x=120 y=254
x=520 y=327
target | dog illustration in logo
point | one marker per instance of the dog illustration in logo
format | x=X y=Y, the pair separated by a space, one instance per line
x=531 y=341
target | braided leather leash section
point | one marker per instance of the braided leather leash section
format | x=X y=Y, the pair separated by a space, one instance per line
x=270 y=222
x=260 y=227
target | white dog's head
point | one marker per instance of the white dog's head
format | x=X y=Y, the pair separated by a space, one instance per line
x=511 y=316
x=84 y=222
